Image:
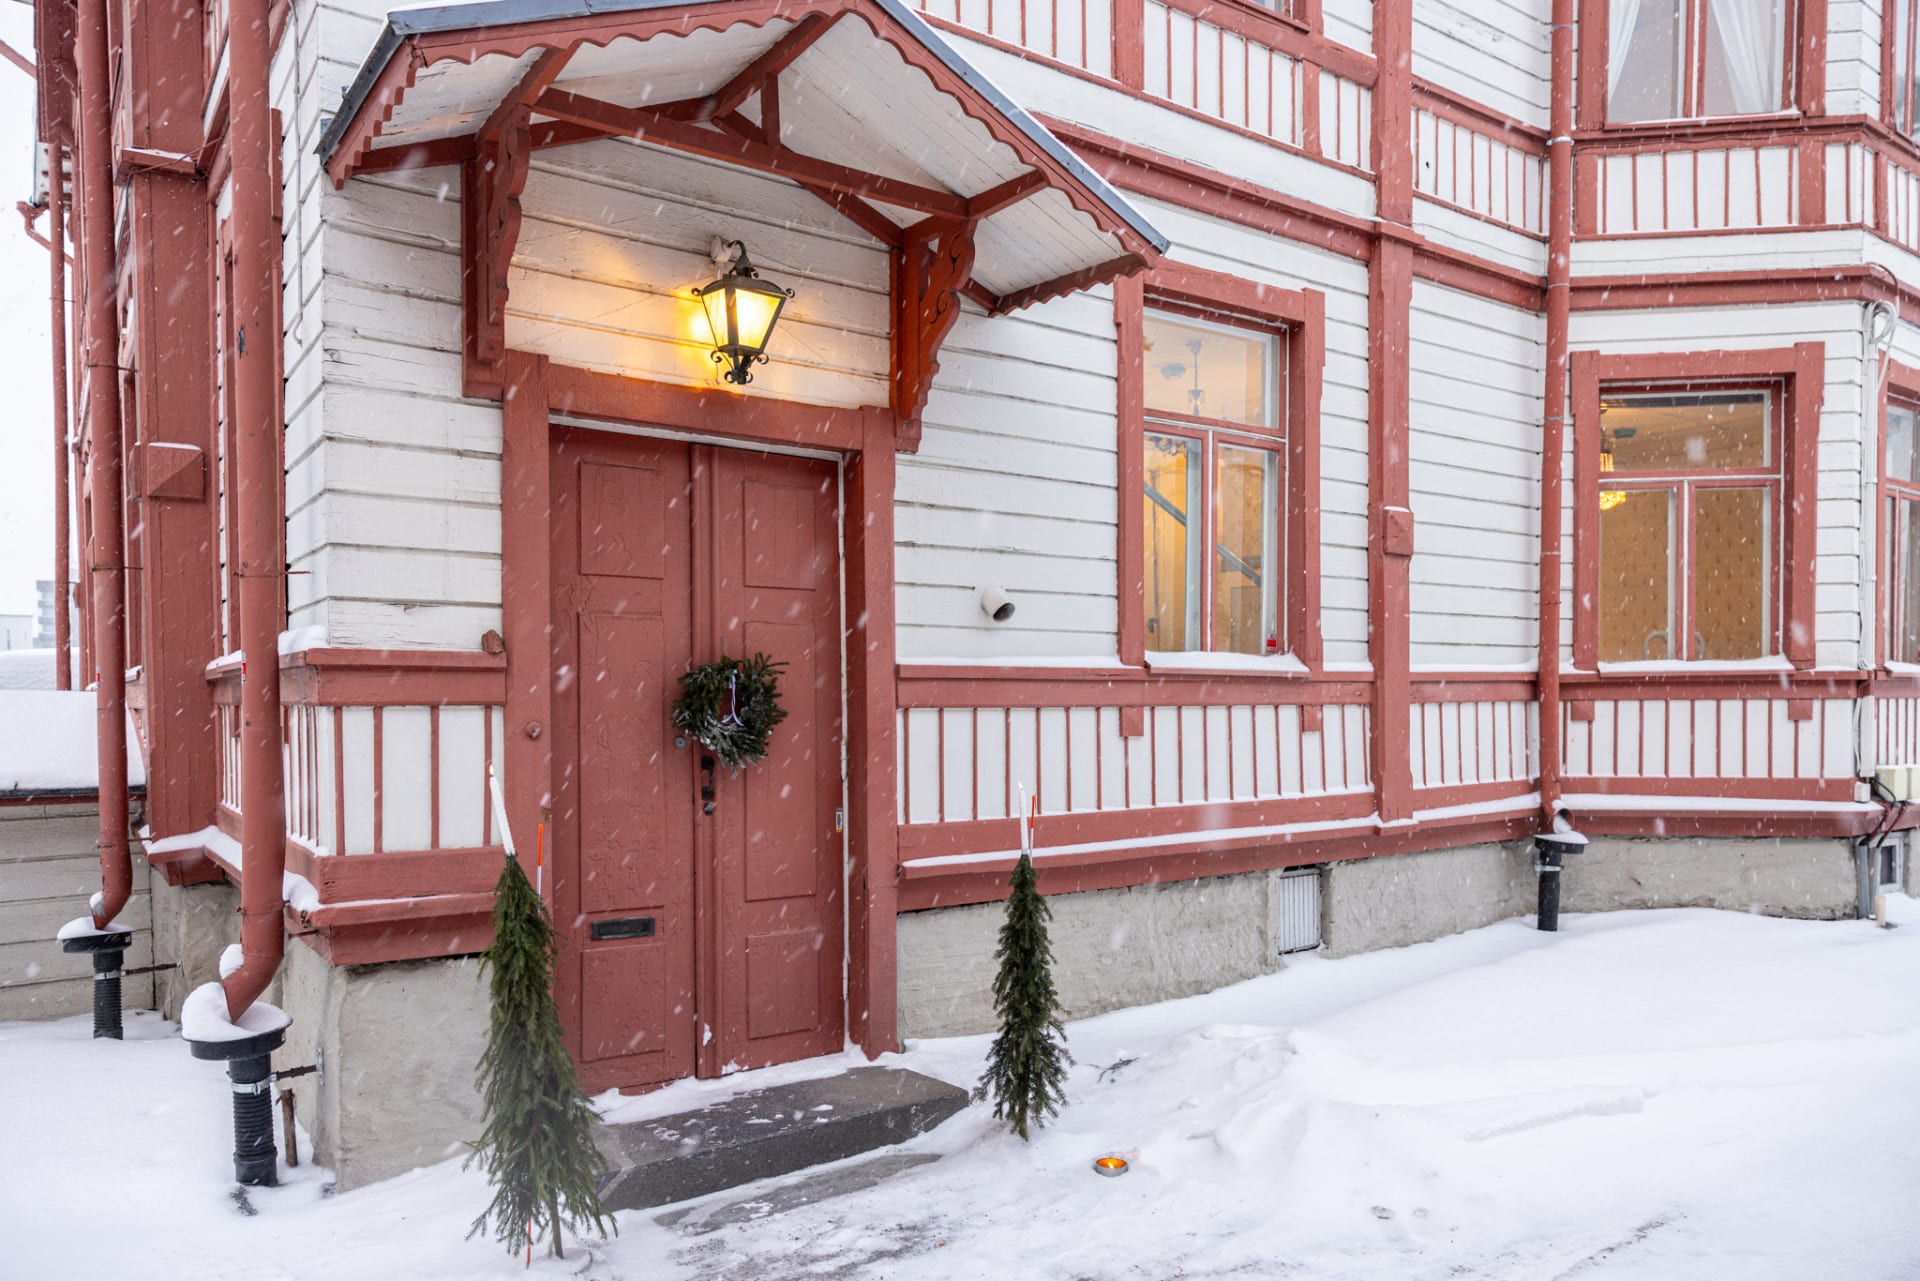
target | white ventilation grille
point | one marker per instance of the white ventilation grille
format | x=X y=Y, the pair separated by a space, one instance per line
x=1295 y=910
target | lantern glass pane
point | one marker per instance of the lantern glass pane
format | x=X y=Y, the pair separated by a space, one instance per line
x=754 y=312
x=715 y=303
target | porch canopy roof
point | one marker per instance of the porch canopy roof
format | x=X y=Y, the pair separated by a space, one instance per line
x=859 y=102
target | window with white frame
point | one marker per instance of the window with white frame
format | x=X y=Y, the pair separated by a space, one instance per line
x=1900 y=480
x=1215 y=484
x=1690 y=485
x=1684 y=59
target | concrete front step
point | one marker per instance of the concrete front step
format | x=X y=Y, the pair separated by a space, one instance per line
x=769 y=1132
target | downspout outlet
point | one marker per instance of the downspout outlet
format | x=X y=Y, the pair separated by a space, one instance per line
x=246 y=1046
x=1550 y=849
x=108 y=948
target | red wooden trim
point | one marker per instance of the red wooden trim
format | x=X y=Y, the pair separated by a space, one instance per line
x=745 y=417
x=525 y=594
x=1273 y=30
x=926 y=687
x=1802 y=371
x=928 y=273
x=766 y=68
x=1165 y=177
x=392 y=678
x=661 y=130
x=1477 y=116
x=940 y=840
x=1786 y=790
x=1809 y=65
x=447 y=925
x=1129 y=43
x=873 y=786
x=1129 y=303
x=986 y=881
x=1733 y=823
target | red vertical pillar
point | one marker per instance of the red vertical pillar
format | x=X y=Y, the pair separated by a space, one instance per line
x=1389 y=322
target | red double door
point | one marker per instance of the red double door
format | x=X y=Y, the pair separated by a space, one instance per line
x=695 y=943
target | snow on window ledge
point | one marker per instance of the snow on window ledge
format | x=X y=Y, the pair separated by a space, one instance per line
x=1203 y=661
x=1696 y=667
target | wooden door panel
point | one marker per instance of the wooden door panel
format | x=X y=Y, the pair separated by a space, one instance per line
x=778 y=854
x=625 y=863
x=623 y=837
x=782 y=825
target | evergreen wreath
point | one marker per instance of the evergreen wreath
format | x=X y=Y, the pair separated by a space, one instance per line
x=732 y=707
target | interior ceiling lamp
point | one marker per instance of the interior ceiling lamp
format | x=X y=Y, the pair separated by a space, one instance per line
x=1609 y=498
x=742 y=310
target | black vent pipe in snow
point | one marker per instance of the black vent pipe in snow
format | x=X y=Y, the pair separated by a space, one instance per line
x=107 y=948
x=1550 y=848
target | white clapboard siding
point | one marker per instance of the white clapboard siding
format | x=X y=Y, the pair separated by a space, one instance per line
x=1854 y=30
x=1709 y=739
x=1461 y=744
x=1474 y=477
x=1349 y=22
x=1206 y=68
x=961 y=764
x=1076 y=32
x=415 y=778
x=1225 y=247
x=1494 y=52
x=1480 y=171
x=1014 y=486
x=1705 y=189
x=1896 y=730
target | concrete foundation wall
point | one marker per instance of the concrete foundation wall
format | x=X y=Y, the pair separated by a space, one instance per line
x=397 y=1045
x=192 y=925
x=49 y=867
x=1806 y=878
x=1111 y=948
x=1392 y=900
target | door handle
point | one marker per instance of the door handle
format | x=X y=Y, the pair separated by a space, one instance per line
x=706 y=782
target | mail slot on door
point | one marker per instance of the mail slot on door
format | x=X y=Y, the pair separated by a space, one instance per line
x=624 y=927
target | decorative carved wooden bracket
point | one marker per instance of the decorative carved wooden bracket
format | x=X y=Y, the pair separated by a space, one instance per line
x=491 y=183
x=930 y=272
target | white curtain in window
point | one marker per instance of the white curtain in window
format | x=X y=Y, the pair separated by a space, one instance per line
x=1622 y=17
x=1750 y=38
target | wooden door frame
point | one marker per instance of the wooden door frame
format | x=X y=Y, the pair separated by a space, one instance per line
x=537 y=390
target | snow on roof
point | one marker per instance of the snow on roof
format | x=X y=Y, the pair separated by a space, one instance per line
x=48 y=743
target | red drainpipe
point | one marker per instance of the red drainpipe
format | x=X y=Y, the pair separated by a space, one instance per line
x=62 y=533
x=1553 y=427
x=94 y=179
x=256 y=475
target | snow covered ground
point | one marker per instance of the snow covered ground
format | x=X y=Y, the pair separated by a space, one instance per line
x=1678 y=1095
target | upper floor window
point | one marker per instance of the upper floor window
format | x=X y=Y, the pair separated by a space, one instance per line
x=1901 y=482
x=1902 y=109
x=1214 y=475
x=1683 y=59
x=1690 y=491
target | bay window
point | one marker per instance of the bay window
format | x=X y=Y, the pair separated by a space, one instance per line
x=1688 y=524
x=1900 y=481
x=1685 y=59
x=1215 y=450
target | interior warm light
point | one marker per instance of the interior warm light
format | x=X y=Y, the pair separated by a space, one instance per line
x=741 y=311
x=1111 y=1166
x=1609 y=498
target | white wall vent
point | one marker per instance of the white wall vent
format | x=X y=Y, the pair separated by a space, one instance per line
x=1294 y=910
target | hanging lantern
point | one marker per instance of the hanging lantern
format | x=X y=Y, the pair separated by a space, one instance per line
x=742 y=310
x=1609 y=498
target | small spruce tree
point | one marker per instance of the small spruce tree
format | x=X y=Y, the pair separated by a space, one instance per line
x=537 y=1148
x=1027 y=1066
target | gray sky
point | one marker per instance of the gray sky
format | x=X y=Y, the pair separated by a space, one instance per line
x=26 y=379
